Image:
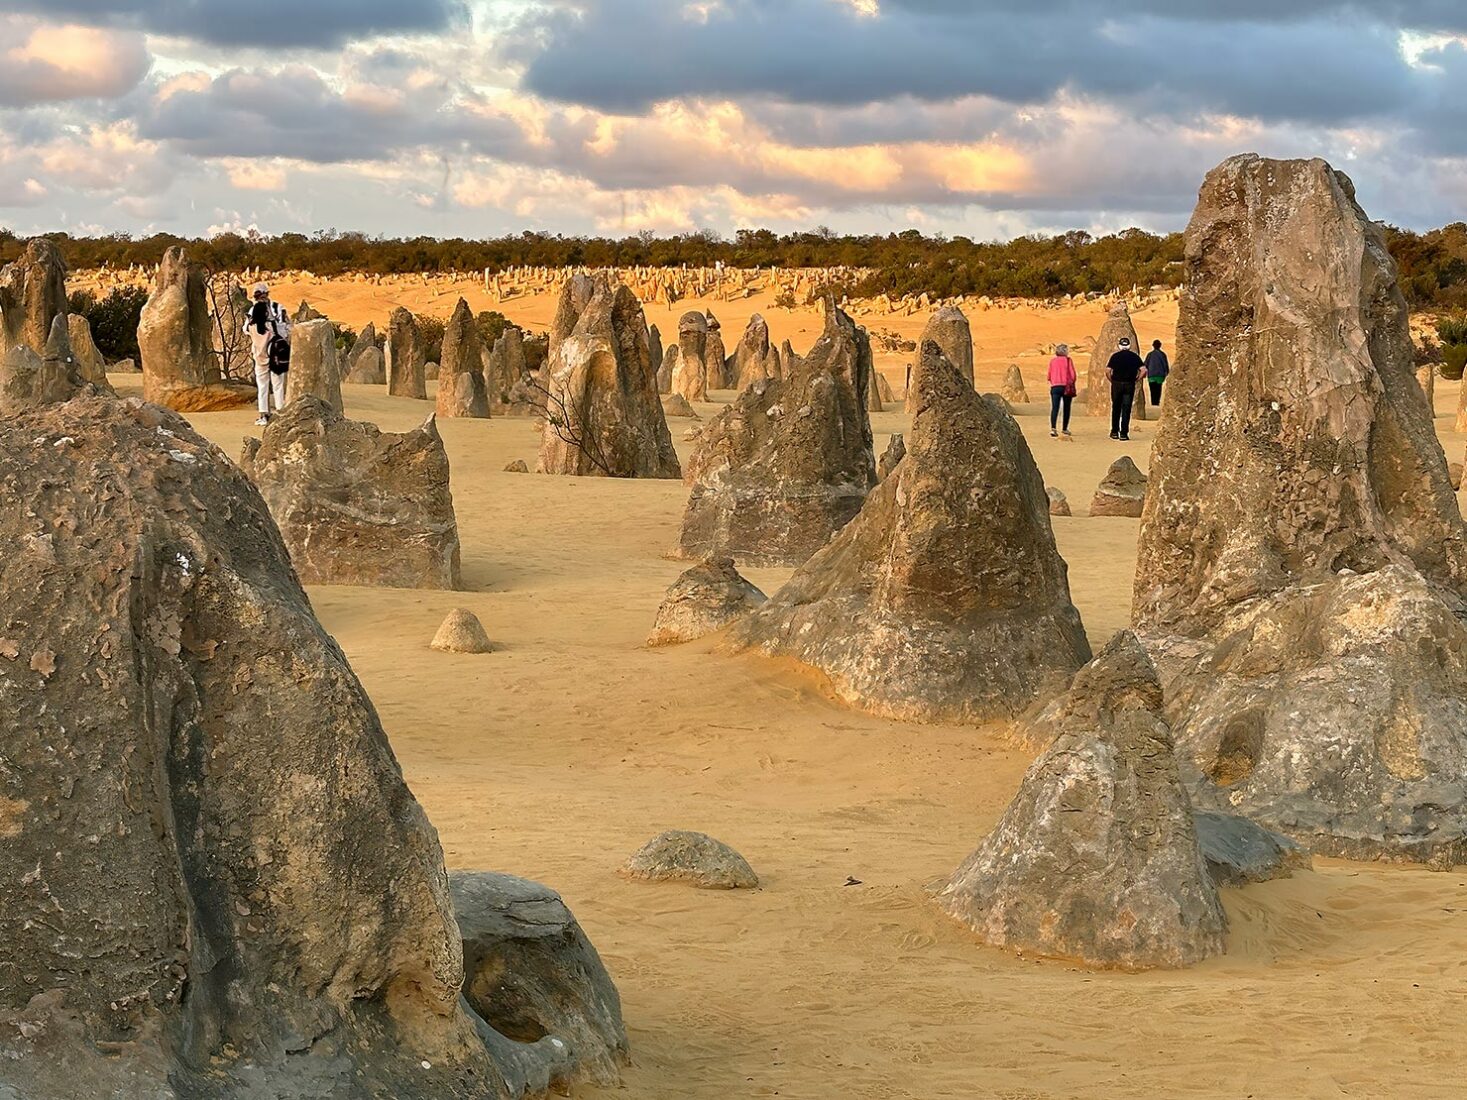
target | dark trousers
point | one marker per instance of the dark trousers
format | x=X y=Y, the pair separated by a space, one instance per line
x=1057 y=399
x=1155 y=384
x=1121 y=401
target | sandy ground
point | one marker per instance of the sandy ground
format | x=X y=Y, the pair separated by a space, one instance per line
x=558 y=755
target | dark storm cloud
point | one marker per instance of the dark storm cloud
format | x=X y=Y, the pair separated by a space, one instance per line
x=277 y=24
x=1316 y=61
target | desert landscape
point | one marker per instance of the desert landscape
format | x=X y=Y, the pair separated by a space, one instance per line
x=854 y=774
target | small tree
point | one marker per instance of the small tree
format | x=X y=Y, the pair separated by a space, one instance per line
x=230 y=307
x=570 y=425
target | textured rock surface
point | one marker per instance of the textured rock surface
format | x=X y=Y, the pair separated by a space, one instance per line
x=1097 y=391
x=706 y=598
x=604 y=418
x=676 y=405
x=1300 y=571
x=461 y=632
x=1122 y=492
x=1013 y=390
x=750 y=361
x=1097 y=858
x=695 y=858
x=28 y=380
x=518 y=466
x=176 y=340
x=460 y=379
x=896 y=450
x=353 y=367
x=690 y=367
x=948 y=328
x=89 y=362
x=356 y=505
x=1239 y=851
x=405 y=357
x=506 y=366
x=314 y=366
x=1059 y=504
x=715 y=356
x=213 y=880
x=789 y=462
x=945 y=599
x=32 y=295
x=533 y=976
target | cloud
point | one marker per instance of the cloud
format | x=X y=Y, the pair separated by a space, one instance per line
x=274 y=24
x=51 y=64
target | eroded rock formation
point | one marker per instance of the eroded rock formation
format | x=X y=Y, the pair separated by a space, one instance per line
x=32 y=296
x=1117 y=325
x=405 y=357
x=1122 y=492
x=690 y=367
x=948 y=328
x=314 y=366
x=460 y=379
x=704 y=599
x=176 y=340
x=694 y=858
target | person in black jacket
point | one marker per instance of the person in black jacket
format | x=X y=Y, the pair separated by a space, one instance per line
x=1157 y=368
x=1124 y=370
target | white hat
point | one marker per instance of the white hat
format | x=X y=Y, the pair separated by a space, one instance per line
x=261 y=288
x=1125 y=341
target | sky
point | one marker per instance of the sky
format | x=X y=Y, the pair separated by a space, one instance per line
x=475 y=118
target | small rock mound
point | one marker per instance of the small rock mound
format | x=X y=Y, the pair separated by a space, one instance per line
x=1122 y=492
x=1097 y=858
x=694 y=858
x=1239 y=851
x=1013 y=386
x=706 y=598
x=676 y=405
x=1059 y=504
x=462 y=632
x=518 y=466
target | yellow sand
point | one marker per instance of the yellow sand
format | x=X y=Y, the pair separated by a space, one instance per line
x=559 y=754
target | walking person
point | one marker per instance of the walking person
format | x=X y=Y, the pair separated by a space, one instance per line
x=1062 y=380
x=1157 y=368
x=1124 y=370
x=265 y=323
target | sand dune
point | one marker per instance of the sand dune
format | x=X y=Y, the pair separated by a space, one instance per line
x=558 y=755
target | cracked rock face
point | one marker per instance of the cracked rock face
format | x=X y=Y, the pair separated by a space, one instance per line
x=314 y=366
x=213 y=880
x=945 y=599
x=789 y=462
x=1301 y=564
x=1097 y=858
x=356 y=505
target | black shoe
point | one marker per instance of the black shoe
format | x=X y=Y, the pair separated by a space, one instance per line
x=1125 y=439
x=1114 y=435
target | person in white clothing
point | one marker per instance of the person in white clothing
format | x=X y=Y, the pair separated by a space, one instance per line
x=265 y=322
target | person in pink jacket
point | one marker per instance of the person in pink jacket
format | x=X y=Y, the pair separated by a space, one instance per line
x=1062 y=379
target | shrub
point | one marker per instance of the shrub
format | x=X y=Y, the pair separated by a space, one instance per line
x=1454 y=360
x=430 y=331
x=490 y=324
x=1452 y=328
x=114 y=320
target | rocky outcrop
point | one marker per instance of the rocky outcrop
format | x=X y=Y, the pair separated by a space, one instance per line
x=176 y=340
x=1300 y=574
x=896 y=450
x=703 y=600
x=947 y=328
x=461 y=632
x=750 y=362
x=1117 y=325
x=213 y=880
x=1122 y=492
x=461 y=390
x=405 y=357
x=354 y=370
x=28 y=380
x=32 y=296
x=306 y=312
x=667 y=370
x=1059 y=504
x=789 y=462
x=533 y=976
x=1097 y=860
x=715 y=356
x=676 y=405
x=1239 y=851
x=690 y=367
x=945 y=599
x=1013 y=390
x=603 y=415
x=695 y=858
x=314 y=367
x=89 y=362
x=506 y=367
x=356 y=505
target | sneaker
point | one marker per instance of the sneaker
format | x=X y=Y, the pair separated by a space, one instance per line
x=263 y=420
x=1069 y=434
x=1053 y=434
x=1114 y=435
x=1125 y=439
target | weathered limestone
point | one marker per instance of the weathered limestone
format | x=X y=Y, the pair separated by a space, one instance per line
x=1239 y=851
x=715 y=356
x=704 y=599
x=32 y=296
x=176 y=341
x=690 y=368
x=1122 y=492
x=533 y=976
x=603 y=415
x=356 y=505
x=365 y=364
x=28 y=380
x=213 y=880
x=695 y=858
x=1096 y=860
x=1301 y=568
x=789 y=462
x=461 y=632
x=655 y=354
x=1013 y=390
x=314 y=367
x=896 y=450
x=460 y=384
x=676 y=405
x=306 y=312
x=750 y=361
x=945 y=599
x=1059 y=504
x=405 y=359
x=506 y=366
x=89 y=362
x=1097 y=392
x=948 y=328
x=667 y=370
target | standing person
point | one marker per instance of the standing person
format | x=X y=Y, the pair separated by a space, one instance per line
x=1157 y=368
x=266 y=322
x=1062 y=379
x=1124 y=370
